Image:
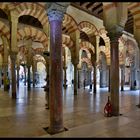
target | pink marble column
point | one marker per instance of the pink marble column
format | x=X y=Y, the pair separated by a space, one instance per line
x=55 y=78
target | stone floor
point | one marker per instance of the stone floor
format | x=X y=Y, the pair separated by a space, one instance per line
x=82 y=113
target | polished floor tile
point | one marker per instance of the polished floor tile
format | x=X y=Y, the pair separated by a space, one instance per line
x=83 y=114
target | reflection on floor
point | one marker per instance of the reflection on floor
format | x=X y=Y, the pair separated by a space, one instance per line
x=83 y=114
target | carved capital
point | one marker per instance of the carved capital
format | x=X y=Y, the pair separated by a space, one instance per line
x=115 y=32
x=56 y=10
x=13 y=56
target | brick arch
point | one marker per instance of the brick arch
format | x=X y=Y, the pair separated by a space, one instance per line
x=88 y=28
x=69 y=23
x=30 y=32
x=32 y=9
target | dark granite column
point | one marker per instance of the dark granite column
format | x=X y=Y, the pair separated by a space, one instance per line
x=18 y=68
x=65 y=77
x=122 y=77
x=94 y=78
x=132 y=78
x=108 y=67
x=13 y=56
x=56 y=101
x=75 y=79
x=5 y=70
x=78 y=78
x=29 y=77
x=24 y=75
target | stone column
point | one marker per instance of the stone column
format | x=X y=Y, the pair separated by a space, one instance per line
x=13 y=56
x=75 y=79
x=65 y=77
x=24 y=74
x=33 y=69
x=103 y=78
x=5 y=61
x=56 y=101
x=132 y=78
x=94 y=78
x=114 y=35
x=29 y=77
x=122 y=77
x=78 y=77
x=34 y=66
x=108 y=78
x=0 y=75
x=18 y=68
x=5 y=70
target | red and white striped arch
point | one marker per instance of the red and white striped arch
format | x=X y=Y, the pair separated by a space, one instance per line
x=33 y=9
x=87 y=45
x=36 y=35
x=4 y=30
x=106 y=51
x=69 y=23
x=67 y=41
x=88 y=28
x=88 y=61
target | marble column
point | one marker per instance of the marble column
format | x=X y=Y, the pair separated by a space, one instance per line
x=103 y=78
x=122 y=77
x=114 y=74
x=78 y=78
x=33 y=69
x=5 y=70
x=132 y=78
x=34 y=66
x=24 y=75
x=29 y=77
x=13 y=56
x=18 y=68
x=108 y=67
x=94 y=79
x=65 y=77
x=75 y=79
x=0 y=75
x=56 y=101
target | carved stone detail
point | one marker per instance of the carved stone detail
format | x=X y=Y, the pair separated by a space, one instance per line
x=56 y=10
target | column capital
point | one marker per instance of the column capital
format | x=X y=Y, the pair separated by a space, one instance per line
x=115 y=32
x=13 y=17
x=56 y=10
x=13 y=55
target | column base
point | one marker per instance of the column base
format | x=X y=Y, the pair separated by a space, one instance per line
x=116 y=114
x=52 y=132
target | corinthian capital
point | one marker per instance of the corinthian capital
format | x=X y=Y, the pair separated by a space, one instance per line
x=115 y=32
x=56 y=10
